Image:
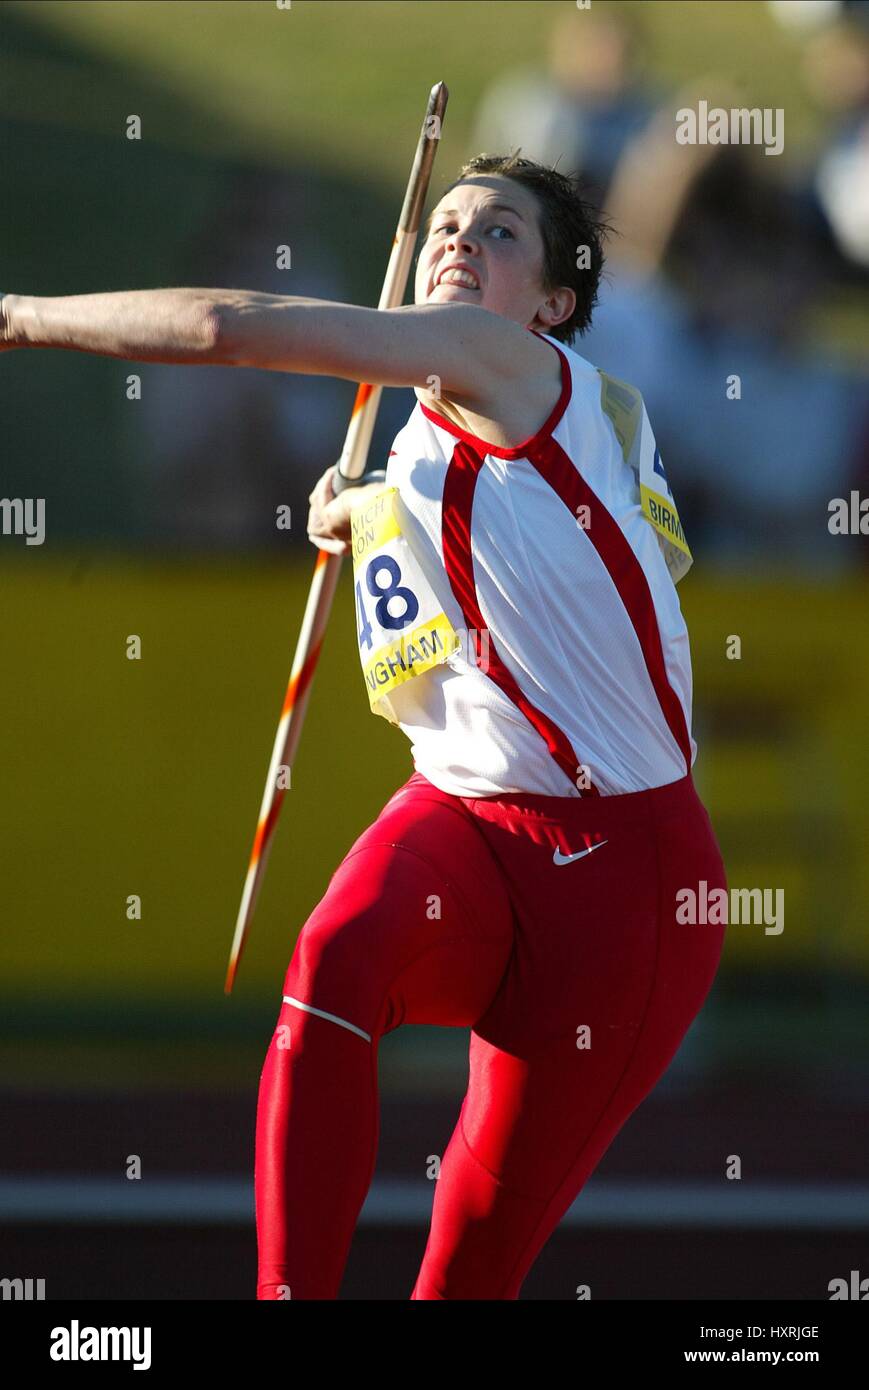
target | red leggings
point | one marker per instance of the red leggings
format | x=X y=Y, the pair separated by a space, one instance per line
x=569 y=968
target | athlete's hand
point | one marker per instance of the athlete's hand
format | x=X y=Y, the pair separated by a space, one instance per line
x=329 y=516
x=6 y=338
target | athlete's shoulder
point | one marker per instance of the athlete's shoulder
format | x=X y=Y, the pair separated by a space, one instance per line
x=585 y=405
x=595 y=378
x=607 y=395
x=578 y=363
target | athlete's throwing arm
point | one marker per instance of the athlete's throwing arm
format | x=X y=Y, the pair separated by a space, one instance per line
x=473 y=353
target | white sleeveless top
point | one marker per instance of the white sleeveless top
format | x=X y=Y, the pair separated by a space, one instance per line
x=544 y=552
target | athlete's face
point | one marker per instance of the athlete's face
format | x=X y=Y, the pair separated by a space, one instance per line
x=490 y=225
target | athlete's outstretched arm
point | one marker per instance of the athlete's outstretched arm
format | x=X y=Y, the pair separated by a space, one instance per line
x=470 y=350
x=171 y=325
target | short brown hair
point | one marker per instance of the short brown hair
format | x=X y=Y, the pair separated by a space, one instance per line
x=568 y=222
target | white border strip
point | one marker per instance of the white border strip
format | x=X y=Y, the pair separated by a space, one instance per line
x=401 y=1202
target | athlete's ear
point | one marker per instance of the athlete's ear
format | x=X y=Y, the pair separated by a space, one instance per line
x=558 y=307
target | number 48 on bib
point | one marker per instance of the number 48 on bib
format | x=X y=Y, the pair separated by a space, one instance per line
x=400 y=626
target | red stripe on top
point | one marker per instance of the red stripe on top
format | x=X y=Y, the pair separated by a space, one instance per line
x=518 y=451
x=458 y=501
x=626 y=572
x=606 y=535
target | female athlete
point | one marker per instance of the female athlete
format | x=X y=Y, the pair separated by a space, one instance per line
x=518 y=619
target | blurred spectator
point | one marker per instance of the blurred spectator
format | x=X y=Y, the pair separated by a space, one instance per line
x=579 y=112
x=804 y=15
x=709 y=280
x=836 y=69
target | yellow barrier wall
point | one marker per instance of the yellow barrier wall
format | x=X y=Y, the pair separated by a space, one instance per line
x=144 y=777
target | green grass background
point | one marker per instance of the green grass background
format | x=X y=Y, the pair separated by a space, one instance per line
x=248 y=64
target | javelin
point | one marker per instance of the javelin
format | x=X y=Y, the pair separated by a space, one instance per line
x=351 y=465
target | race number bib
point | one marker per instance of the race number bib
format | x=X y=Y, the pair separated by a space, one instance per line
x=401 y=627
x=624 y=406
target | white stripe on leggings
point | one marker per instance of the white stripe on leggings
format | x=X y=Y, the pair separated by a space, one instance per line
x=333 y=1018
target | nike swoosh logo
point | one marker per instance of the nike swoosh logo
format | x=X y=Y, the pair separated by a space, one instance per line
x=559 y=858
